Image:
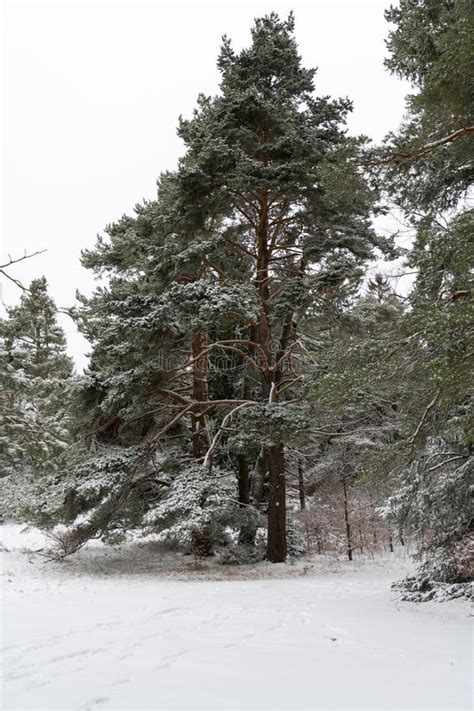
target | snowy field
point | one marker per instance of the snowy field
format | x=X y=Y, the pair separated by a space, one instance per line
x=128 y=629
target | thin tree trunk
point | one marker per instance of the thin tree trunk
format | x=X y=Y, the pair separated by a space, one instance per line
x=301 y=485
x=361 y=548
x=346 y=518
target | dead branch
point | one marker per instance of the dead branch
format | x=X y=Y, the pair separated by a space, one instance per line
x=220 y=432
x=11 y=261
x=424 y=416
x=420 y=152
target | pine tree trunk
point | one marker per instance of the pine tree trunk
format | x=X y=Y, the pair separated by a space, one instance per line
x=276 y=545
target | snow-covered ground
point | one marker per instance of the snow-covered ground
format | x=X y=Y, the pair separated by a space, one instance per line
x=129 y=628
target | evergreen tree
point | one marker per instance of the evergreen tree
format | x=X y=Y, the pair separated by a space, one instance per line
x=196 y=331
x=35 y=379
x=429 y=161
x=432 y=487
x=237 y=372
x=265 y=156
x=428 y=167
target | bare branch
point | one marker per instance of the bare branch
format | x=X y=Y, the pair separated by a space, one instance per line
x=220 y=432
x=17 y=282
x=395 y=156
x=429 y=407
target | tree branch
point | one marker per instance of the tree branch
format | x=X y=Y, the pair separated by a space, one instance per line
x=395 y=156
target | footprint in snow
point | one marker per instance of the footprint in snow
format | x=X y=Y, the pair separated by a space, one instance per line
x=170 y=658
x=242 y=639
x=89 y=705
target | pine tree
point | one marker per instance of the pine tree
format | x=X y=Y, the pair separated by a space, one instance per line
x=428 y=162
x=35 y=377
x=266 y=156
x=195 y=336
x=432 y=488
x=428 y=171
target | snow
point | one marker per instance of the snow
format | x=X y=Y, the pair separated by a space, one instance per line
x=135 y=628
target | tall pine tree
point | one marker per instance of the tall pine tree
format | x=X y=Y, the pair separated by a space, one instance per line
x=35 y=376
x=195 y=336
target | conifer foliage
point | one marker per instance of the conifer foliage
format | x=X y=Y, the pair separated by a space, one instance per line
x=196 y=334
x=249 y=381
x=35 y=377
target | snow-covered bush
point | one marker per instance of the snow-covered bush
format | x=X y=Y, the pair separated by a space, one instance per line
x=241 y=555
x=195 y=510
x=433 y=501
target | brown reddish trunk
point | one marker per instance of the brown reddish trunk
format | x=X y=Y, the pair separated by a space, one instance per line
x=200 y=392
x=276 y=544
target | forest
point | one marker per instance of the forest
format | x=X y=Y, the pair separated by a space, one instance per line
x=257 y=387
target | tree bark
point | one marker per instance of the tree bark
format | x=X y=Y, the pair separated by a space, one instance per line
x=301 y=488
x=276 y=544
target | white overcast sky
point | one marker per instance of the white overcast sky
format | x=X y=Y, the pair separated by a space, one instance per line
x=91 y=96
